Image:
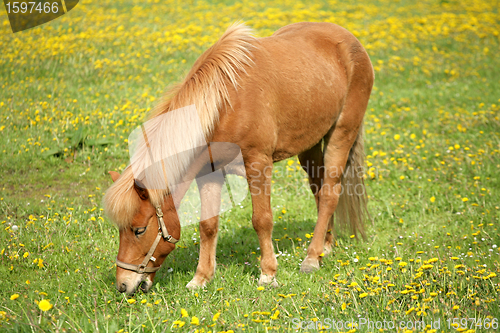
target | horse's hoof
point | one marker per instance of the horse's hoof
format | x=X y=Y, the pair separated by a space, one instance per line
x=193 y=285
x=309 y=265
x=268 y=280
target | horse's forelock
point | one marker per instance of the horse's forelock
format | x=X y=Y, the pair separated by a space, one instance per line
x=121 y=202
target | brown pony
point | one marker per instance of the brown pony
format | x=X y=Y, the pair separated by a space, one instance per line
x=303 y=91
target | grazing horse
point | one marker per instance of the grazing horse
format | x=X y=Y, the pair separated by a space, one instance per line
x=302 y=91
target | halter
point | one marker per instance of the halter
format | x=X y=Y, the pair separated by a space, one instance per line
x=162 y=232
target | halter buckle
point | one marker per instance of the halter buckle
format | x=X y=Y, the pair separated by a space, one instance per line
x=159 y=212
x=141 y=268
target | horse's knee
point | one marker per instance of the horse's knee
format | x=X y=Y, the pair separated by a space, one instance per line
x=262 y=222
x=209 y=229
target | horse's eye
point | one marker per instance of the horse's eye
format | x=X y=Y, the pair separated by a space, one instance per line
x=139 y=231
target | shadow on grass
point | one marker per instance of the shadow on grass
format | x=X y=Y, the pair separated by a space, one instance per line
x=238 y=246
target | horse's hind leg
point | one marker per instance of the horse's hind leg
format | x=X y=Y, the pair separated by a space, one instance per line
x=312 y=163
x=337 y=146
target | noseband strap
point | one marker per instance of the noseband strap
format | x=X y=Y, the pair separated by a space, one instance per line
x=162 y=232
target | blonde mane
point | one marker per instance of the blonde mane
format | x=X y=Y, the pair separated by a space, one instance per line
x=205 y=87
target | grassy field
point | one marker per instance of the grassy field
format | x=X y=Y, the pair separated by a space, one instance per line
x=73 y=89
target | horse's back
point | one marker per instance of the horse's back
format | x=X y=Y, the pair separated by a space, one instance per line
x=295 y=90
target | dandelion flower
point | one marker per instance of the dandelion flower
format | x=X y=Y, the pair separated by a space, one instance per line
x=14 y=297
x=433 y=199
x=275 y=315
x=131 y=301
x=184 y=313
x=44 y=305
x=195 y=321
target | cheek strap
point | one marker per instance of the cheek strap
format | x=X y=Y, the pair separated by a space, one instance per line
x=162 y=232
x=142 y=268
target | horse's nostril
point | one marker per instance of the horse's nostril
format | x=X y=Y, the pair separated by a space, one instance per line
x=122 y=287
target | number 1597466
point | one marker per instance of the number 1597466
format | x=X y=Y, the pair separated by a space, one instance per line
x=473 y=323
x=31 y=7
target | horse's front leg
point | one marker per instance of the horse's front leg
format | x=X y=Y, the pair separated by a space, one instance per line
x=259 y=174
x=210 y=193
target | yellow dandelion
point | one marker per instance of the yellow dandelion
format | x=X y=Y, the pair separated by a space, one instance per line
x=465 y=199
x=397 y=137
x=131 y=301
x=14 y=297
x=433 y=199
x=363 y=295
x=260 y=288
x=195 y=321
x=275 y=315
x=216 y=316
x=184 y=313
x=44 y=305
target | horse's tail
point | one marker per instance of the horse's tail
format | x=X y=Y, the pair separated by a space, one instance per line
x=352 y=205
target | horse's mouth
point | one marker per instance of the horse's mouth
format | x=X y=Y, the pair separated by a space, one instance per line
x=145 y=285
x=142 y=283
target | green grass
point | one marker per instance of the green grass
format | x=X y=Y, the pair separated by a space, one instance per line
x=433 y=155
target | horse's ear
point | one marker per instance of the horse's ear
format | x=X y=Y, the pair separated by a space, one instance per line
x=141 y=189
x=114 y=175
